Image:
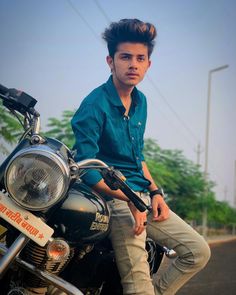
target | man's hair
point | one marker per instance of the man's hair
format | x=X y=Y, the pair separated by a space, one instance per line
x=129 y=30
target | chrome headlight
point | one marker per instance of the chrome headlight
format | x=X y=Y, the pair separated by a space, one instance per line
x=37 y=178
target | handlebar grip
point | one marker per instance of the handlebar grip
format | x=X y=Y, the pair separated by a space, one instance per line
x=138 y=203
x=115 y=180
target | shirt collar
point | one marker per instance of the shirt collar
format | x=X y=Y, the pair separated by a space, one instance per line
x=114 y=96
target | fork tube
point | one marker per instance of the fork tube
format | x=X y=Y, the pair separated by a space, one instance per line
x=36 y=125
x=12 y=252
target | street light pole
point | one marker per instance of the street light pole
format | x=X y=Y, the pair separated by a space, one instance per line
x=208 y=113
x=204 y=215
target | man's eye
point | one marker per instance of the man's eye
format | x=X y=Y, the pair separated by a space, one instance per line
x=125 y=57
x=141 y=58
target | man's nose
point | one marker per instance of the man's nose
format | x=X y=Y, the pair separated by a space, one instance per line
x=133 y=63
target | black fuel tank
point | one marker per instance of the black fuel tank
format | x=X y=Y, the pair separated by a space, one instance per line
x=83 y=217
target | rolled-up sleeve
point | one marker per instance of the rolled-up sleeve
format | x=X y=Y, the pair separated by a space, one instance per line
x=87 y=127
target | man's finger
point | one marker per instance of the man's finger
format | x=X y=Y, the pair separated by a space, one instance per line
x=155 y=212
x=139 y=229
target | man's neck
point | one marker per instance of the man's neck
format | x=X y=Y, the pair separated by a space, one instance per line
x=125 y=96
x=124 y=91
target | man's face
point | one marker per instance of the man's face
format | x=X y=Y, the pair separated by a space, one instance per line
x=129 y=64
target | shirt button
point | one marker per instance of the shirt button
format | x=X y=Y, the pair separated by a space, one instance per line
x=137 y=158
x=132 y=138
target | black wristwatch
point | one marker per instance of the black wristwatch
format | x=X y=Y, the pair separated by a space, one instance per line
x=158 y=191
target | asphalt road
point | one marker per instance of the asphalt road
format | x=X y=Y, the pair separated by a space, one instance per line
x=219 y=276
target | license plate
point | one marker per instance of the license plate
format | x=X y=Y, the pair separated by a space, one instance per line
x=27 y=223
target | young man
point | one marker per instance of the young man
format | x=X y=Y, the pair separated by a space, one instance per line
x=109 y=125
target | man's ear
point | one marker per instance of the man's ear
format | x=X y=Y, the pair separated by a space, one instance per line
x=110 y=62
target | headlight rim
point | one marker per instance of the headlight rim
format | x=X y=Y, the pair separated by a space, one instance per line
x=46 y=152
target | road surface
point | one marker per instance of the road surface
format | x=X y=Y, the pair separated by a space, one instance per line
x=219 y=276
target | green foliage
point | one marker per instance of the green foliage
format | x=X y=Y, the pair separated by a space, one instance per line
x=10 y=129
x=182 y=180
x=188 y=193
x=61 y=129
x=222 y=213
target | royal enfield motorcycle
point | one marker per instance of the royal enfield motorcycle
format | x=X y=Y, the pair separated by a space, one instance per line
x=53 y=228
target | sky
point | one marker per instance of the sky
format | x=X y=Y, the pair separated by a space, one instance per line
x=53 y=50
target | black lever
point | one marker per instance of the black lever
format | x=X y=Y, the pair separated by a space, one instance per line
x=116 y=180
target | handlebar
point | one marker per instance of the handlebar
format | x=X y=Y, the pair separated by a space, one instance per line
x=18 y=100
x=115 y=180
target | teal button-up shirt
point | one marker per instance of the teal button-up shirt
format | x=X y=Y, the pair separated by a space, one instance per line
x=103 y=132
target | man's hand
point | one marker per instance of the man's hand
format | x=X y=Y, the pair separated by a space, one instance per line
x=140 y=219
x=160 y=210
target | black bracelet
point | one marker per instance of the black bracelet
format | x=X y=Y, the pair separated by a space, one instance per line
x=158 y=191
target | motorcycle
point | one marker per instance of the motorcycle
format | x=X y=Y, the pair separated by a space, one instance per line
x=54 y=228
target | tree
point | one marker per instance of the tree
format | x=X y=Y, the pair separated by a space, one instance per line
x=9 y=129
x=61 y=129
x=184 y=183
x=222 y=213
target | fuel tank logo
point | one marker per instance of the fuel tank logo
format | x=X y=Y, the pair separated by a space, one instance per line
x=100 y=223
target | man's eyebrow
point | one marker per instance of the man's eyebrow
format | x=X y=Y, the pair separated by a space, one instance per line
x=130 y=54
x=126 y=53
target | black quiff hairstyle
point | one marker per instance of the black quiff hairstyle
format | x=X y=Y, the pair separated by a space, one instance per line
x=129 y=30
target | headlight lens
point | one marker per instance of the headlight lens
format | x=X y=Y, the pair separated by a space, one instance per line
x=37 y=178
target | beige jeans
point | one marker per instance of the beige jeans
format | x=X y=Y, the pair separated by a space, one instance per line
x=193 y=251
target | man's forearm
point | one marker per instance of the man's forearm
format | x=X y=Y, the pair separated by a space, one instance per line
x=148 y=175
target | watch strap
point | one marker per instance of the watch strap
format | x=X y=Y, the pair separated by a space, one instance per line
x=158 y=191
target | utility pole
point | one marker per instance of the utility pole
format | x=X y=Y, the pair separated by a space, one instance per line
x=198 y=152
x=204 y=213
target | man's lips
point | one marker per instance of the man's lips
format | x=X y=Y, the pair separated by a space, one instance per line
x=132 y=75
